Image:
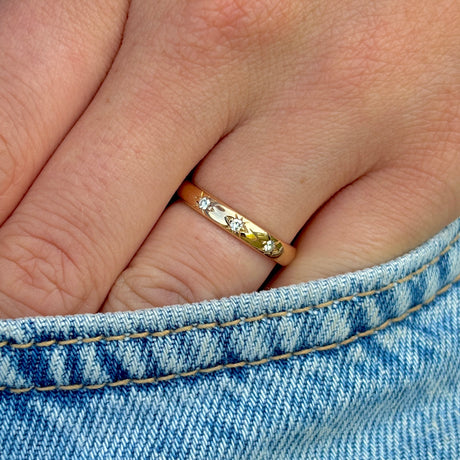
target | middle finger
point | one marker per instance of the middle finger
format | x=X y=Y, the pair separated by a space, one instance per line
x=104 y=188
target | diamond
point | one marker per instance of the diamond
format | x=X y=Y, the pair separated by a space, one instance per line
x=204 y=203
x=269 y=246
x=236 y=225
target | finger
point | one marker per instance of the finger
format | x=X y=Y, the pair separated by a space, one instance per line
x=53 y=56
x=104 y=188
x=379 y=217
x=177 y=265
x=187 y=258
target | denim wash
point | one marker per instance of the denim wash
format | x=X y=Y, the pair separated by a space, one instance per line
x=364 y=365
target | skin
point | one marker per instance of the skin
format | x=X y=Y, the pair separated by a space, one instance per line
x=334 y=123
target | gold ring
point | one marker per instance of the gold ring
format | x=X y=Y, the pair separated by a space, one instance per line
x=234 y=223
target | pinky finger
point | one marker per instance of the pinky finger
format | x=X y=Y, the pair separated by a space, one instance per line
x=375 y=219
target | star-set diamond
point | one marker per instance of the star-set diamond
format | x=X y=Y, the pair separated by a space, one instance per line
x=204 y=203
x=236 y=225
x=269 y=246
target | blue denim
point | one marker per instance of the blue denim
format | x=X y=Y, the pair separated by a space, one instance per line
x=364 y=365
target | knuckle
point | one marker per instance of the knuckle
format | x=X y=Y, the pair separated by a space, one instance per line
x=238 y=23
x=363 y=59
x=42 y=272
x=154 y=287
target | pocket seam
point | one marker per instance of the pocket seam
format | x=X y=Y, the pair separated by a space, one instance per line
x=285 y=356
x=236 y=322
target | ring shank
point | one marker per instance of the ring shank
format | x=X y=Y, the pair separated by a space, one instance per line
x=234 y=223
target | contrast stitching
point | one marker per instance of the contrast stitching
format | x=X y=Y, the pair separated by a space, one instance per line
x=214 y=325
x=220 y=367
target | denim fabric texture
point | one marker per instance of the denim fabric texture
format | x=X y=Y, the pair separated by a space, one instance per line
x=363 y=365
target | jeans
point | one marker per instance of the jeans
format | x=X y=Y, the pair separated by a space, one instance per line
x=363 y=365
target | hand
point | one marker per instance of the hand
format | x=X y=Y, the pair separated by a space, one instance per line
x=334 y=121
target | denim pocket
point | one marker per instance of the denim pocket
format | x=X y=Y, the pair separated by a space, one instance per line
x=364 y=365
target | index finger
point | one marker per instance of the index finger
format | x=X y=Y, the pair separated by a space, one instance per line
x=104 y=188
x=53 y=57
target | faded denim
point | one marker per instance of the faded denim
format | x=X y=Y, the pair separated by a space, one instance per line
x=363 y=365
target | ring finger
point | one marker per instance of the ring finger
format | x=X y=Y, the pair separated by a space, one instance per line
x=264 y=169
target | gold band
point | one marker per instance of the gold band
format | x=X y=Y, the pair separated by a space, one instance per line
x=234 y=223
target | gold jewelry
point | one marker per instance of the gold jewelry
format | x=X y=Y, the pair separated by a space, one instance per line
x=234 y=223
